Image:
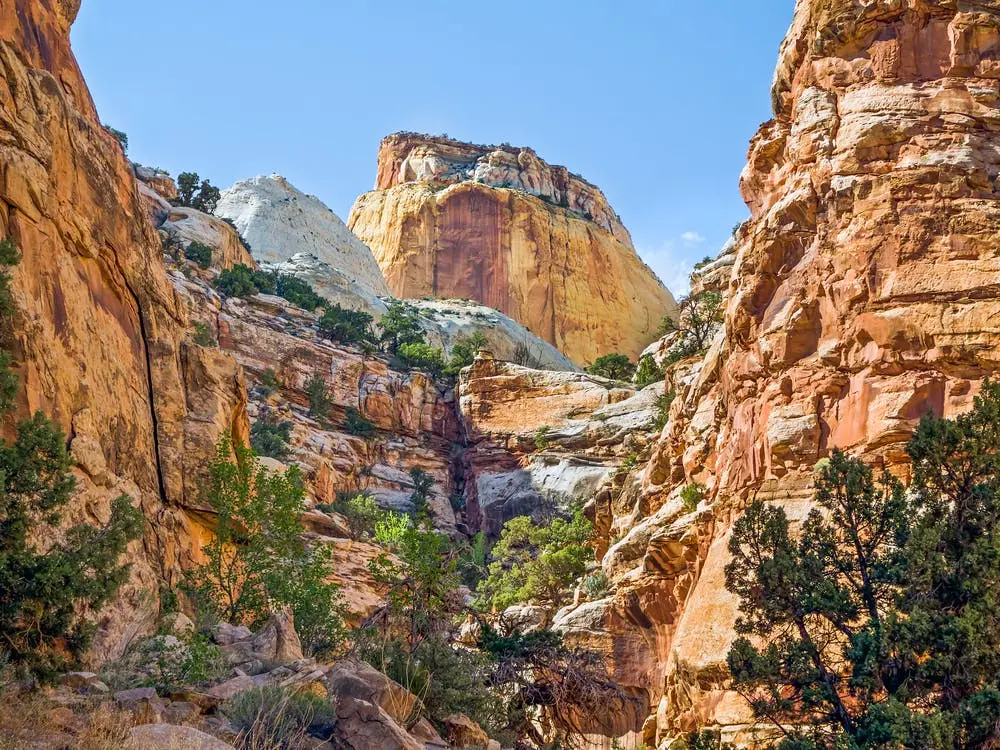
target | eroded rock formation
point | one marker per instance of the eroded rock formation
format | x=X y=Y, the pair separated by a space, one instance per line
x=498 y=225
x=861 y=295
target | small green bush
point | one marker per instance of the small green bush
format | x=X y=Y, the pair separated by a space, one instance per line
x=613 y=367
x=400 y=325
x=269 y=381
x=390 y=529
x=202 y=335
x=661 y=410
x=122 y=138
x=279 y=718
x=542 y=437
x=270 y=436
x=298 y=292
x=691 y=496
x=423 y=483
x=463 y=352
x=648 y=372
x=595 y=586
x=423 y=357
x=361 y=511
x=319 y=398
x=346 y=326
x=243 y=281
x=199 y=253
x=356 y=424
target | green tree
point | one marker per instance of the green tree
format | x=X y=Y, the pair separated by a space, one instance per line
x=423 y=483
x=9 y=257
x=875 y=625
x=258 y=559
x=399 y=325
x=699 y=317
x=269 y=436
x=243 y=281
x=187 y=186
x=648 y=372
x=121 y=137
x=356 y=424
x=463 y=352
x=613 y=367
x=199 y=253
x=298 y=292
x=346 y=326
x=48 y=579
x=536 y=563
x=207 y=198
x=320 y=401
x=422 y=356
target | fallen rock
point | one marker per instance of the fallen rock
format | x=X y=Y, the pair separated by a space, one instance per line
x=171 y=737
x=225 y=634
x=143 y=703
x=462 y=732
x=363 y=726
x=230 y=688
x=277 y=642
x=352 y=678
x=181 y=712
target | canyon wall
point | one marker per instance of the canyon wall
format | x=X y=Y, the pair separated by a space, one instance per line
x=498 y=225
x=99 y=337
x=862 y=294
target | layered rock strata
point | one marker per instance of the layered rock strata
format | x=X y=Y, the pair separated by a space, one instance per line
x=500 y=226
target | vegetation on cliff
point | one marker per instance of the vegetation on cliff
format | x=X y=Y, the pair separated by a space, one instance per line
x=874 y=625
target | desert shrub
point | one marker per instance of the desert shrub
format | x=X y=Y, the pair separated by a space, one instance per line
x=399 y=325
x=390 y=530
x=699 y=317
x=269 y=381
x=361 y=511
x=661 y=410
x=423 y=483
x=356 y=424
x=595 y=585
x=121 y=137
x=473 y=561
x=243 y=281
x=279 y=718
x=648 y=372
x=269 y=436
x=199 y=253
x=202 y=335
x=166 y=664
x=613 y=367
x=422 y=356
x=298 y=292
x=536 y=563
x=258 y=559
x=346 y=326
x=319 y=398
x=463 y=352
x=542 y=437
x=691 y=496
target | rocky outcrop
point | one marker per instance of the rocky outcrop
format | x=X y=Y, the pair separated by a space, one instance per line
x=99 y=338
x=861 y=296
x=500 y=226
x=279 y=221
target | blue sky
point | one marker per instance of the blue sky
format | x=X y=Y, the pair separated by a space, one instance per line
x=653 y=100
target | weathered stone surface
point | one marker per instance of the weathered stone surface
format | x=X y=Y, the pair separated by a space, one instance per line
x=98 y=338
x=463 y=732
x=362 y=725
x=277 y=642
x=187 y=225
x=280 y=221
x=352 y=678
x=500 y=226
x=170 y=737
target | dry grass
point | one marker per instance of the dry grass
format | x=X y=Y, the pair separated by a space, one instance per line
x=36 y=720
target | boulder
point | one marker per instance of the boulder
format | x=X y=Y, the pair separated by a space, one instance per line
x=463 y=732
x=143 y=703
x=362 y=726
x=277 y=642
x=352 y=678
x=171 y=737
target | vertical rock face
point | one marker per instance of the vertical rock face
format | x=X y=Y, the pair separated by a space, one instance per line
x=98 y=336
x=863 y=295
x=498 y=225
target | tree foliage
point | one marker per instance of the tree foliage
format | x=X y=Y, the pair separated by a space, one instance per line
x=648 y=372
x=48 y=579
x=613 y=367
x=423 y=356
x=298 y=292
x=699 y=317
x=536 y=563
x=258 y=559
x=400 y=325
x=346 y=326
x=269 y=436
x=875 y=625
x=199 y=253
x=197 y=193
x=243 y=281
x=463 y=352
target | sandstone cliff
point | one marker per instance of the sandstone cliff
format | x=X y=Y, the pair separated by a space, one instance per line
x=500 y=226
x=861 y=295
x=100 y=336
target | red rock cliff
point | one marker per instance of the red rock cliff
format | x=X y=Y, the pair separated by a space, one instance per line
x=498 y=225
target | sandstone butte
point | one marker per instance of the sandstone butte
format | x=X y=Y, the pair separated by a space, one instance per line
x=861 y=295
x=498 y=225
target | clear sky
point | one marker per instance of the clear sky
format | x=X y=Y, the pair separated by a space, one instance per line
x=653 y=100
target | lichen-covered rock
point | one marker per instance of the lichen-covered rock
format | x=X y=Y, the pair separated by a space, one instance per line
x=500 y=226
